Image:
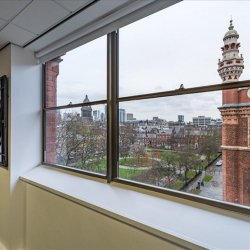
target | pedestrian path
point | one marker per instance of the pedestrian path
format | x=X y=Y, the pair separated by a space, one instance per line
x=213 y=188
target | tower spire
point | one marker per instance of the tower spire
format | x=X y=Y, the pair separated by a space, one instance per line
x=231 y=27
x=231 y=65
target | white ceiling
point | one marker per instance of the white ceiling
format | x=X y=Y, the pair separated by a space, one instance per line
x=86 y=18
x=39 y=25
x=23 y=20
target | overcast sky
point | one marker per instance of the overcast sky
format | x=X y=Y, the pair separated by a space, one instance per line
x=178 y=45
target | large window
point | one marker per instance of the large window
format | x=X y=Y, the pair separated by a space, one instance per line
x=165 y=114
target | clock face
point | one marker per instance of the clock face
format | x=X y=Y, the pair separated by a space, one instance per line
x=248 y=93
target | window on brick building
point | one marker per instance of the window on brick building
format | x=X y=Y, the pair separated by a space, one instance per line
x=168 y=125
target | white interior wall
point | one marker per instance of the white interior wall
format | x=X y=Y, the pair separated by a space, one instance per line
x=26 y=127
x=53 y=222
x=24 y=75
x=5 y=69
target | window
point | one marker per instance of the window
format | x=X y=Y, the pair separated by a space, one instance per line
x=75 y=112
x=163 y=124
x=4 y=122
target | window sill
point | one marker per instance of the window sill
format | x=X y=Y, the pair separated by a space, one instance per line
x=183 y=222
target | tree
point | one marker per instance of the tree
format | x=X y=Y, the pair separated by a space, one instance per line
x=127 y=137
x=210 y=142
x=138 y=152
x=171 y=161
x=124 y=151
x=127 y=134
x=156 y=154
x=81 y=143
x=166 y=172
x=66 y=141
x=186 y=160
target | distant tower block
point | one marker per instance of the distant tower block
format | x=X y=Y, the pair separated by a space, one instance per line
x=235 y=113
x=86 y=111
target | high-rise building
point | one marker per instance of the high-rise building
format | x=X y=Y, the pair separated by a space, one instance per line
x=105 y=113
x=86 y=111
x=122 y=115
x=130 y=116
x=96 y=115
x=102 y=117
x=180 y=118
x=201 y=121
x=235 y=112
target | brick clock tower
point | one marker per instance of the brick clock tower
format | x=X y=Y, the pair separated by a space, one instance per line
x=235 y=112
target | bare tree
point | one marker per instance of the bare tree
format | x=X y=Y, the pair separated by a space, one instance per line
x=81 y=143
x=138 y=152
x=127 y=137
x=210 y=142
x=186 y=161
x=127 y=134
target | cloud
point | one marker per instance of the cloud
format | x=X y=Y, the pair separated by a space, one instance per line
x=159 y=53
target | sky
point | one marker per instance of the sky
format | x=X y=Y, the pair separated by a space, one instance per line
x=178 y=45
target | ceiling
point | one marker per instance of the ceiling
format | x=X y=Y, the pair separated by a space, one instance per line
x=36 y=23
x=21 y=21
x=44 y=26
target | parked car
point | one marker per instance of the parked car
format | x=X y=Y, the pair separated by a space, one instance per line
x=219 y=163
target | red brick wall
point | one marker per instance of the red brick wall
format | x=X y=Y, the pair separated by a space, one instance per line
x=244 y=178
x=229 y=134
x=243 y=96
x=236 y=176
x=52 y=68
x=229 y=96
x=236 y=151
x=230 y=175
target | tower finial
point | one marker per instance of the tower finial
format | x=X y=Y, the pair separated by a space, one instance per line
x=231 y=27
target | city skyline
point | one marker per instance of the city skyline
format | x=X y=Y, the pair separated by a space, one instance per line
x=191 y=60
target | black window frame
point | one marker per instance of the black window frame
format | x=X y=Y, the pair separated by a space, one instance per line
x=112 y=102
x=4 y=121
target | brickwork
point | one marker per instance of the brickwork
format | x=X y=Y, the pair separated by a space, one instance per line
x=52 y=70
x=243 y=97
x=230 y=175
x=229 y=96
x=235 y=113
x=236 y=151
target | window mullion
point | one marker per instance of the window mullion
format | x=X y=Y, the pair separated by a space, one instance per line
x=112 y=118
x=44 y=112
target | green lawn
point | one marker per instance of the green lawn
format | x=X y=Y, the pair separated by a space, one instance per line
x=179 y=181
x=204 y=163
x=131 y=162
x=178 y=184
x=190 y=175
x=96 y=166
x=130 y=173
x=162 y=153
x=208 y=178
x=195 y=191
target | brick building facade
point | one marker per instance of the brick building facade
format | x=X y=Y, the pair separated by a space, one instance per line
x=235 y=112
x=52 y=71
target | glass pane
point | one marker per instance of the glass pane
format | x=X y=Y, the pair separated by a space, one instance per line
x=170 y=47
x=77 y=138
x=78 y=73
x=196 y=143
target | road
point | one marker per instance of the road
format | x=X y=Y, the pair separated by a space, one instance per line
x=213 y=188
